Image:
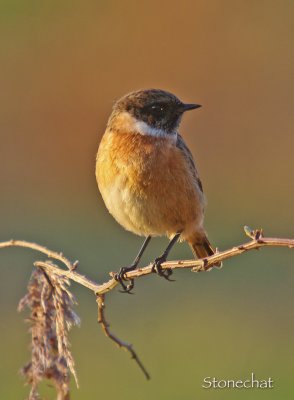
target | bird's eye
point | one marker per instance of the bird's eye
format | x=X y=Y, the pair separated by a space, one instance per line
x=154 y=112
x=157 y=110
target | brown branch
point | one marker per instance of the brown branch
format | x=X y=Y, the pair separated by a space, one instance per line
x=105 y=327
x=41 y=249
x=70 y=274
x=257 y=241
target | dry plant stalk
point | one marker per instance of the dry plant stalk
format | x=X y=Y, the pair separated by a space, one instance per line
x=51 y=304
x=51 y=317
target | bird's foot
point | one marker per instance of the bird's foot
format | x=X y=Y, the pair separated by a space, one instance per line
x=120 y=277
x=157 y=268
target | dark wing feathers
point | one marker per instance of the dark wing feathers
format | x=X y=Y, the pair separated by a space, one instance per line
x=188 y=156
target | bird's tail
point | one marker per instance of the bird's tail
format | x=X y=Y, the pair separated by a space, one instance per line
x=201 y=247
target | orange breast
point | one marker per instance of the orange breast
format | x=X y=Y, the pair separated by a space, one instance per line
x=147 y=185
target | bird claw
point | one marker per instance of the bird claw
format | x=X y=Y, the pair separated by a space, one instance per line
x=157 y=268
x=120 y=278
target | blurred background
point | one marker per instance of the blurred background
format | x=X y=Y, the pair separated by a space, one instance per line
x=63 y=63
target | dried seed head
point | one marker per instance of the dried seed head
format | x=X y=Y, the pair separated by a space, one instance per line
x=51 y=317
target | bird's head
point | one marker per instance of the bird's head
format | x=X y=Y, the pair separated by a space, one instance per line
x=149 y=112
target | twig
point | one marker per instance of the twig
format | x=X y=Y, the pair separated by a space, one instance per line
x=72 y=275
x=105 y=327
x=34 y=246
x=257 y=241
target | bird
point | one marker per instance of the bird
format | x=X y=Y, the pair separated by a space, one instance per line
x=147 y=176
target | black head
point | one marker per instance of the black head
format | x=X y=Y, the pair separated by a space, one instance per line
x=157 y=108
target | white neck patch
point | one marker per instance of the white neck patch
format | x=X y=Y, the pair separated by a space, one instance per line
x=145 y=129
x=125 y=122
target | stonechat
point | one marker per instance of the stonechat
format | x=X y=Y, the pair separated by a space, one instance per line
x=147 y=176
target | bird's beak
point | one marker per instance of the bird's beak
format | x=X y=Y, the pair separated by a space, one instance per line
x=186 y=107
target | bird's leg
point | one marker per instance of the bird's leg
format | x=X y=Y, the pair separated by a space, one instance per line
x=159 y=260
x=120 y=276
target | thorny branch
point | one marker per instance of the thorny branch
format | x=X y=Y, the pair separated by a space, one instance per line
x=257 y=241
x=49 y=269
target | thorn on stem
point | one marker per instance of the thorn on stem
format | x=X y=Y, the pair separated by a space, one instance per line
x=74 y=266
x=258 y=234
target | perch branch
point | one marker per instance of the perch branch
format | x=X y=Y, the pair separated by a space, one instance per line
x=257 y=241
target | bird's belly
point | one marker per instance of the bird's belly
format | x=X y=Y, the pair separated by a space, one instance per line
x=134 y=211
x=155 y=211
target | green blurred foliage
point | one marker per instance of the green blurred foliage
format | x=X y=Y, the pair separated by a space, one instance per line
x=62 y=65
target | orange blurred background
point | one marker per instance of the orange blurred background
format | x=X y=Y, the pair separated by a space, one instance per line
x=63 y=64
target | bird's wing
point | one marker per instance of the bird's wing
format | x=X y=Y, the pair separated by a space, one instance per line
x=188 y=156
